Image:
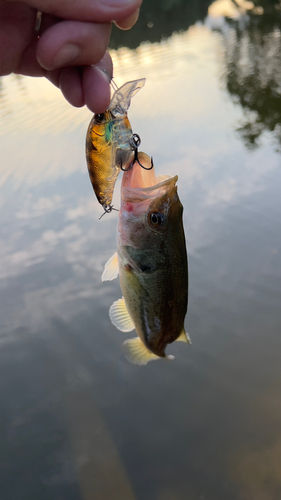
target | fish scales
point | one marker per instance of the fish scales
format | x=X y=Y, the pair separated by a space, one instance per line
x=152 y=263
x=154 y=282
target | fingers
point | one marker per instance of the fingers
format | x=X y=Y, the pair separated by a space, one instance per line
x=16 y=30
x=88 y=85
x=28 y=64
x=96 y=88
x=70 y=83
x=102 y=11
x=69 y=50
x=72 y=43
x=72 y=46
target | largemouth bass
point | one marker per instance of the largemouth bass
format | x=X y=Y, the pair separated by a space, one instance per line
x=108 y=145
x=152 y=262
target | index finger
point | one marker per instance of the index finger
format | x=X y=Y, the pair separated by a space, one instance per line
x=101 y=11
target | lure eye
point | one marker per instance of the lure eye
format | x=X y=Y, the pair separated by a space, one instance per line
x=99 y=118
x=156 y=219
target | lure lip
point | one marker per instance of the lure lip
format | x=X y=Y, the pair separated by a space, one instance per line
x=121 y=99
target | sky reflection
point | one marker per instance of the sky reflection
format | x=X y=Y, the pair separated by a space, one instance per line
x=46 y=193
x=206 y=425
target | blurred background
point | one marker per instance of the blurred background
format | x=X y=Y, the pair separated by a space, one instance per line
x=78 y=422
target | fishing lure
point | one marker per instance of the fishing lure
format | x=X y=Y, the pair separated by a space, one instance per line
x=111 y=144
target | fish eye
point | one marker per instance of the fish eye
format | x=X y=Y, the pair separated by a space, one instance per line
x=99 y=117
x=155 y=219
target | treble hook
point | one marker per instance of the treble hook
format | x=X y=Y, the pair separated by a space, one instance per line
x=135 y=141
x=129 y=167
x=136 y=159
x=107 y=210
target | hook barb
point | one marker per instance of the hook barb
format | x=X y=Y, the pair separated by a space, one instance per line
x=129 y=167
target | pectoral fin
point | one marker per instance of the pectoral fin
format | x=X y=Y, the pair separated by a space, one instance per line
x=120 y=317
x=111 y=269
x=137 y=353
x=184 y=337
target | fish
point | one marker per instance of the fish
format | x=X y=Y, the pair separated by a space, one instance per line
x=151 y=261
x=108 y=146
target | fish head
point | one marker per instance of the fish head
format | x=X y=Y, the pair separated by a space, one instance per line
x=148 y=205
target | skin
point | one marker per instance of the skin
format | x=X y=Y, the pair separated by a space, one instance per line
x=71 y=47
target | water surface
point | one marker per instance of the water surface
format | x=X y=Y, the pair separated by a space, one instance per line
x=77 y=420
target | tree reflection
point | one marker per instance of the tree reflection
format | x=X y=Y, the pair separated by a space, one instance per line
x=253 y=71
x=159 y=19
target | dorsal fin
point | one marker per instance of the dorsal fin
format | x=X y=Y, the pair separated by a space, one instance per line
x=111 y=269
x=120 y=317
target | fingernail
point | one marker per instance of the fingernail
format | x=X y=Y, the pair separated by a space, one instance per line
x=129 y=22
x=67 y=54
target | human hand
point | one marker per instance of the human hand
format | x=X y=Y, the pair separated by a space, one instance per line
x=71 y=47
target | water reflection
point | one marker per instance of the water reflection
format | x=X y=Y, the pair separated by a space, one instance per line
x=73 y=409
x=253 y=74
x=160 y=19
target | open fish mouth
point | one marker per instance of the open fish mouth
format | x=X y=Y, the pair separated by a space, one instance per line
x=140 y=194
x=139 y=184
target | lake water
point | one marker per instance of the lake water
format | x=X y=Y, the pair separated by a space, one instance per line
x=78 y=422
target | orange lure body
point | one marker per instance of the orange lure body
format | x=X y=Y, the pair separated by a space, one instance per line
x=108 y=143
